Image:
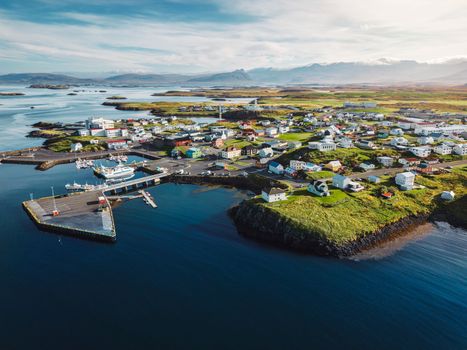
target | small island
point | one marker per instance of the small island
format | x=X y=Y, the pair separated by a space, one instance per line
x=49 y=86
x=11 y=94
x=116 y=97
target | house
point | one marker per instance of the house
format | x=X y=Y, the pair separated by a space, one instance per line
x=366 y=166
x=218 y=143
x=341 y=181
x=294 y=144
x=399 y=141
x=265 y=122
x=249 y=150
x=276 y=168
x=385 y=161
x=117 y=144
x=425 y=140
x=266 y=152
x=421 y=152
x=364 y=144
x=345 y=143
x=374 y=179
x=312 y=167
x=322 y=146
x=442 y=149
x=448 y=195
x=94 y=142
x=193 y=152
x=83 y=132
x=355 y=187
x=273 y=194
x=408 y=161
x=405 y=180
x=319 y=188
x=297 y=165
x=397 y=132
x=76 y=147
x=231 y=152
x=460 y=149
x=333 y=165
x=271 y=132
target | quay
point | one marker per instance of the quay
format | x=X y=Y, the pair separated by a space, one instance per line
x=87 y=214
x=82 y=215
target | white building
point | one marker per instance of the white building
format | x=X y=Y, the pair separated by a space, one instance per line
x=345 y=143
x=117 y=144
x=97 y=132
x=367 y=166
x=460 y=149
x=322 y=146
x=448 y=195
x=399 y=141
x=445 y=129
x=231 y=152
x=99 y=123
x=442 y=149
x=266 y=152
x=76 y=147
x=421 y=152
x=271 y=132
x=385 y=161
x=405 y=180
x=425 y=140
x=297 y=165
x=273 y=194
x=340 y=181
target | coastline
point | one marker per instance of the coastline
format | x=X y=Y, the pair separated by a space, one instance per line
x=254 y=222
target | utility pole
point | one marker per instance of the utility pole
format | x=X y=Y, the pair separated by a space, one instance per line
x=55 y=211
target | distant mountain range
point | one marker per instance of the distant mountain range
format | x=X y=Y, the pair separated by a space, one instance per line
x=381 y=72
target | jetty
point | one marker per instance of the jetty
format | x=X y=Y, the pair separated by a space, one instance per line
x=148 y=199
x=87 y=214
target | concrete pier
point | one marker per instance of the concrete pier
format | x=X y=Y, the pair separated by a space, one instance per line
x=86 y=214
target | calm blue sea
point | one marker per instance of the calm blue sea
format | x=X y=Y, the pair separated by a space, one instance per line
x=180 y=277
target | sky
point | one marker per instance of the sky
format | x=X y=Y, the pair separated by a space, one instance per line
x=183 y=36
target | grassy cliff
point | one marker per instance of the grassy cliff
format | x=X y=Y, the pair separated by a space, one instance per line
x=344 y=218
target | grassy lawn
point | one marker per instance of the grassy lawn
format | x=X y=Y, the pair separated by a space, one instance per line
x=236 y=143
x=296 y=136
x=317 y=175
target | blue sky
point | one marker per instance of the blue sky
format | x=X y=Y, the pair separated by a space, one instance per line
x=219 y=35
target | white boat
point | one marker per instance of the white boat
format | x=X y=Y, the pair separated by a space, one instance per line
x=76 y=187
x=119 y=158
x=83 y=163
x=119 y=171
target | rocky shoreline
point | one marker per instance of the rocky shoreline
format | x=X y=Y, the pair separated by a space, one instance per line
x=264 y=225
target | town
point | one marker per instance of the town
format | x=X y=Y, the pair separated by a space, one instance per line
x=295 y=159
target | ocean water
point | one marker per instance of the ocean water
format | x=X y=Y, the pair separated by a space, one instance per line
x=180 y=277
x=16 y=115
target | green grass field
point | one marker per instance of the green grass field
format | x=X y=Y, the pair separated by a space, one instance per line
x=344 y=217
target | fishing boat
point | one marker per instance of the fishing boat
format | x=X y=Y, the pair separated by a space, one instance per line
x=84 y=163
x=119 y=171
x=119 y=158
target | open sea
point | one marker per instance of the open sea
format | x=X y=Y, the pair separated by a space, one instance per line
x=180 y=277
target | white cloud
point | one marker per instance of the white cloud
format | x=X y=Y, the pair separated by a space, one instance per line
x=286 y=33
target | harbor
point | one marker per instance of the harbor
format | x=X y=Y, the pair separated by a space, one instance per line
x=88 y=214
